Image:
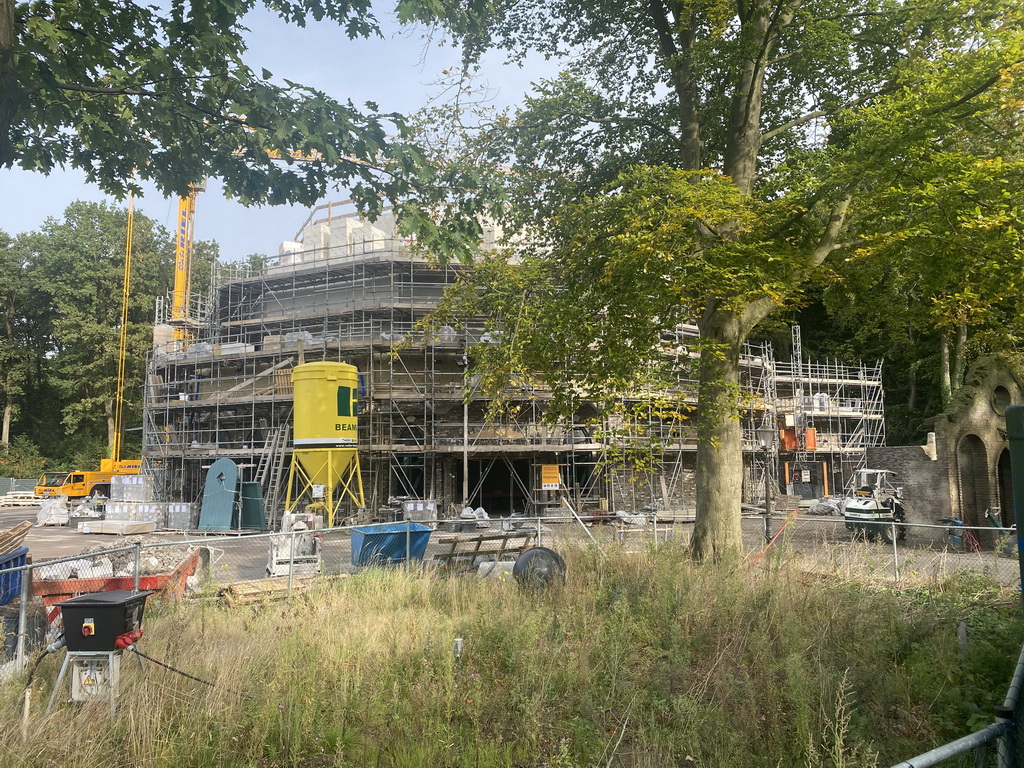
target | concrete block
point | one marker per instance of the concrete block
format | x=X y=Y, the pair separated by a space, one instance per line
x=116 y=527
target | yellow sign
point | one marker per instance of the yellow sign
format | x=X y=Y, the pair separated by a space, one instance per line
x=550 y=480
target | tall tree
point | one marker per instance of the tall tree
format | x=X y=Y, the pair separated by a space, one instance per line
x=945 y=263
x=76 y=268
x=620 y=169
x=15 y=346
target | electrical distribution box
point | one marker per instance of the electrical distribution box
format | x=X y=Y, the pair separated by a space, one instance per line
x=94 y=622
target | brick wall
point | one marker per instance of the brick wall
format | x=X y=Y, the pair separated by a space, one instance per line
x=925 y=482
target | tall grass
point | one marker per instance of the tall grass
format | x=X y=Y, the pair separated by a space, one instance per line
x=639 y=660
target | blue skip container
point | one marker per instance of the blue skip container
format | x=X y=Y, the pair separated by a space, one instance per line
x=10 y=583
x=385 y=543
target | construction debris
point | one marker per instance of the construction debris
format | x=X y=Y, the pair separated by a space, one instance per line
x=100 y=562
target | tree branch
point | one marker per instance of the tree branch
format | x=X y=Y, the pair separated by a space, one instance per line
x=684 y=81
x=758 y=309
x=806 y=118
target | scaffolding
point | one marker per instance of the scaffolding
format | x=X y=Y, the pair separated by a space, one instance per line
x=350 y=291
x=829 y=414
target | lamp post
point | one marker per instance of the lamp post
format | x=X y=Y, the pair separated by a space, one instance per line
x=463 y=363
x=766 y=437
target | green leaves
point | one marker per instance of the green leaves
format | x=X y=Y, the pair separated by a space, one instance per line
x=117 y=89
x=61 y=297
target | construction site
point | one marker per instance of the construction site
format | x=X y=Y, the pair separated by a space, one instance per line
x=219 y=385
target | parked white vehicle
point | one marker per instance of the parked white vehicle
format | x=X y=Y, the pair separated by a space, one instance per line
x=873 y=504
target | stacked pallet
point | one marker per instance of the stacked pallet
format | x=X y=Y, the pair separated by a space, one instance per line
x=19 y=499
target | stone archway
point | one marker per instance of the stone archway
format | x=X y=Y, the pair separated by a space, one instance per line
x=972 y=470
x=1004 y=481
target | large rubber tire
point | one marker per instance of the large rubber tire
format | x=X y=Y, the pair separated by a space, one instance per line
x=539 y=567
x=885 y=533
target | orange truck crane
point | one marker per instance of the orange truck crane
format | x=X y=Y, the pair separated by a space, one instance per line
x=80 y=484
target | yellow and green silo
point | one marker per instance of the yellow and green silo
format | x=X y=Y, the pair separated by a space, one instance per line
x=325 y=456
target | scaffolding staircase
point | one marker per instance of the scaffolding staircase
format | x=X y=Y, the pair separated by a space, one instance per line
x=270 y=469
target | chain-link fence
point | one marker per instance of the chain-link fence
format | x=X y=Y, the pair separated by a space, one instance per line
x=239 y=565
x=245 y=568
x=14 y=485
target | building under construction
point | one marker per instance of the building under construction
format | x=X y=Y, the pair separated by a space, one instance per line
x=349 y=291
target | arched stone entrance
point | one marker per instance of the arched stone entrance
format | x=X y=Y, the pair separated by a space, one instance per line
x=1005 y=482
x=972 y=468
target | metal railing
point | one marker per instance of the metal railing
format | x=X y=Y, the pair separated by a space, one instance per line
x=999 y=734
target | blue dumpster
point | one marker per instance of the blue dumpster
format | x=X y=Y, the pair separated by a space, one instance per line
x=10 y=583
x=385 y=543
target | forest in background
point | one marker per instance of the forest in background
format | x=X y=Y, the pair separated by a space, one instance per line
x=60 y=317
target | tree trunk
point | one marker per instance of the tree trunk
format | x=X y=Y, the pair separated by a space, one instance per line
x=11 y=93
x=945 y=386
x=110 y=424
x=959 y=359
x=717 y=534
x=759 y=34
x=5 y=434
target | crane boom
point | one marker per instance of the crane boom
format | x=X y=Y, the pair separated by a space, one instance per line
x=180 y=297
x=122 y=343
x=181 y=318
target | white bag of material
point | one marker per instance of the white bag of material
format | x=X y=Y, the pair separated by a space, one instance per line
x=99 y=569
x=53 y=512
x=63 y=570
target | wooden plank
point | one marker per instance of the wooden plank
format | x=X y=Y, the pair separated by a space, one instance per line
x=252 y=380
x=11 y=539
x=265 y=590
x=495 y=546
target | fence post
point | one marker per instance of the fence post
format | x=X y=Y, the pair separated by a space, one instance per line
x=408 y=542
x=1015 y=435
x=138 y=565
x=895 y=553
x=1005 y=757
x=540 y=542
x=26 y=588
x=291 y=562
x=655 y=518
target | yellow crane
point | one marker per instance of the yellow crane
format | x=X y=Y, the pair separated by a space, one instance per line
x=127 y=466
x=181 y=319
x=80 y=484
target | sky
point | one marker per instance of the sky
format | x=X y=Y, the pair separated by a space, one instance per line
x=398 y=72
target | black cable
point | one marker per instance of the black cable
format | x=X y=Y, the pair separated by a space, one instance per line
x=180 y=672
x=40 y=658
x=35 y=666
x=168 y=666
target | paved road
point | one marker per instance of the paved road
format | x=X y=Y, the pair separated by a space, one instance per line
x=48 y=542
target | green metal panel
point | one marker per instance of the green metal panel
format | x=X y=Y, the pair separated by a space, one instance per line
x=252 y=507
x=1015 y=434
x=219 y=496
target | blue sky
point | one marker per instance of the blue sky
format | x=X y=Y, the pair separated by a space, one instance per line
x=398 y=72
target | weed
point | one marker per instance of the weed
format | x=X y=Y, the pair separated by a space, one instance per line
x=640 y=659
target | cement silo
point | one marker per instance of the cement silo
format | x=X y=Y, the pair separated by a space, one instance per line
x=325 y=458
